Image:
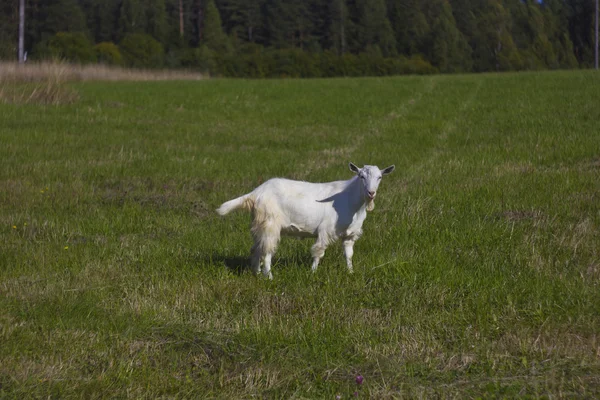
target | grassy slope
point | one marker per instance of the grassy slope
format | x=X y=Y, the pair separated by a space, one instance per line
x=478 y=272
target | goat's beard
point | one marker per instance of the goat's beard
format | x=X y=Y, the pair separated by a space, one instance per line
x=370 y=204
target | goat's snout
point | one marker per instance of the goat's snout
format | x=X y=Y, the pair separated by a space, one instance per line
x=371 y=194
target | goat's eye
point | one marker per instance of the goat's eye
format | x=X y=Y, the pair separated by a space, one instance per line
x=379 y=178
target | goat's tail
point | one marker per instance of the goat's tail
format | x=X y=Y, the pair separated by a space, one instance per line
x=246 y=202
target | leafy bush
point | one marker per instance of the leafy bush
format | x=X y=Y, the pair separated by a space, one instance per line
x=139 y=51
x=201 y=58
x=256 y=62
x=250 y=61
x=70 y=46
x=415 y=65
x=8 y=50
x=108 y=53
x=293 y=63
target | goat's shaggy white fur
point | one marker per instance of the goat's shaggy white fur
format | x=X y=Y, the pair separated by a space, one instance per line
x=327 y=211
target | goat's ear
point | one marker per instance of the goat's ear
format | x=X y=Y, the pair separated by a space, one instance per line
x=354 y=168
x=388 y=170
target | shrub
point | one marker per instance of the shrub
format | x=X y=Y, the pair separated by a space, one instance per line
x=251 y=61
x=201 y=58
x=416 y=65
x=141 y=51
x=293 y=63
x=8 y=50
x=70 y=46
x=108 y=53
x=245 y=66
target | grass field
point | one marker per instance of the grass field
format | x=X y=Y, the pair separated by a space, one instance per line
x=478 y=274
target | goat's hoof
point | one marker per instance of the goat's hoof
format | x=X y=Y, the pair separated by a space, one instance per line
x=268 y=274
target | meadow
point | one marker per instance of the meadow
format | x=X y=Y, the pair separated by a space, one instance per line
x=478 y=274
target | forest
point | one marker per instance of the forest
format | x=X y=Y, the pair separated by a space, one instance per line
x=310 y=38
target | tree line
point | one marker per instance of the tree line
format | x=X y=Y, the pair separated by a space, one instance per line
x=307 y=38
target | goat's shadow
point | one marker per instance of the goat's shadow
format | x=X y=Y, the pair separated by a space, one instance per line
x=242 y=264
x=236 y=264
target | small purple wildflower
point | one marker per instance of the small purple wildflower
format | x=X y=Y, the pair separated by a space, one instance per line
x=359 y=379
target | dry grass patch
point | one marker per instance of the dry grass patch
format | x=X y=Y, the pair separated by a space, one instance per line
x=45 y=82
x=43 y=71
x=50 y=92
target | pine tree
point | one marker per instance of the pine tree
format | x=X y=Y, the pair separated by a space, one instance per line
x=280 y=23
x=197 y=20
x=101 y=17
x=214 y=37
x=244 y=19
x=156 y=18
x=338 y=22
x=410 y=26
x=581 y=22
x=374 y=28
x=494 y=48
x=464 y=14
x=132 y=18
x=63 y=16
x=179 y=27
x=318 y=26
x=9 y=22
x=448 y=50
x=558 y=33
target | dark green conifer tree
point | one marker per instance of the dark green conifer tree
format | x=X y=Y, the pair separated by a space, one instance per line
x=156 y=19
x=9 y=23
x=374 y=28
x=132 y=18
x=339 y=21
x=214 y=38
x=494 y=48
x=447 y=48
x=410 y=26
x=63 y=16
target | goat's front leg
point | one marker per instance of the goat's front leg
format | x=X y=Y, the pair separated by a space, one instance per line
x=348 y=252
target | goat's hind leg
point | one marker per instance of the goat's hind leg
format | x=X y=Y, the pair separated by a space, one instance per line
x=256 y=258
x=259 y=258
x=318 y=251
x=267 y=269
x=266 y=238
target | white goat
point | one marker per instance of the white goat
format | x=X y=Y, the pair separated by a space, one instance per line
x=327 y=211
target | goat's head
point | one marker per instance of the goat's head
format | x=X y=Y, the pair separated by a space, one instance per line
x=370 y=177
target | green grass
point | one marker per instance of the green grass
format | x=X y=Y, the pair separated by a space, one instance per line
x=478 y=274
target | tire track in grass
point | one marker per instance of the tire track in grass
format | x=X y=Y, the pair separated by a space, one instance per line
x=325 y=158
x=386 y=123
x=431 y=84
x=450 y=126
x=424 y=160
